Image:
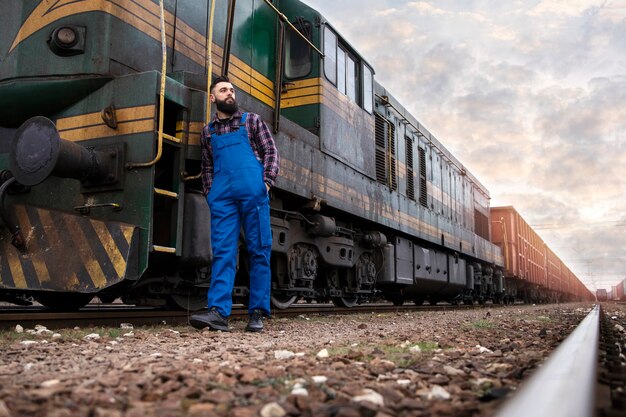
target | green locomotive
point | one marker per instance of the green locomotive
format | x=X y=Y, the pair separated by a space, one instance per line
x=102 y=104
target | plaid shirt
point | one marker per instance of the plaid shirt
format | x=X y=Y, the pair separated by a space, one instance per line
x=261 y=142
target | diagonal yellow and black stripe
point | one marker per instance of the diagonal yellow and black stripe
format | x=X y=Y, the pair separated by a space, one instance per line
x=65 y=252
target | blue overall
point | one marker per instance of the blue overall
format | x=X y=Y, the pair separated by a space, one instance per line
x=238 y=196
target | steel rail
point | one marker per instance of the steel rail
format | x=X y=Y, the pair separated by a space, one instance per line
x=113 y=315
x=565 y=385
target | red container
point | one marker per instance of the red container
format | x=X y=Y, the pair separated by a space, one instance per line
x=619 y=291
x=528 y=259
x=523 y=249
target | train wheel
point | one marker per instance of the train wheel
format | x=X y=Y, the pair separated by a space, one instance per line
x=397 y=300
x=281 y=301
x=63 y=301
x=345 y=301
x=186 y=302
x=418 y=301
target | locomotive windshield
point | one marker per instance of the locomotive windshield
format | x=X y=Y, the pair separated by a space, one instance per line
x=298 y=61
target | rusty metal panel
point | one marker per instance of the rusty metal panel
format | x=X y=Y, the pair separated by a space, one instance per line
x=404 y=261
x=423 y=264
x=349 y=137
x=457 y=270
x=295 y=165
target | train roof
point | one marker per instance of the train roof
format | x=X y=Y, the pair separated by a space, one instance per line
x=381 y=91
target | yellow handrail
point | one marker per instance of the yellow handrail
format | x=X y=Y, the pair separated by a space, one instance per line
x=209 y=64
x=156 y=159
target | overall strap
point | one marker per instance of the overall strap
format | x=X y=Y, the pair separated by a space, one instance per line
x=242 y=124
x=242 y=121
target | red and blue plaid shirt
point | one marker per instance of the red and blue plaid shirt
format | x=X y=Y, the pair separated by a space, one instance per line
x=261 y=142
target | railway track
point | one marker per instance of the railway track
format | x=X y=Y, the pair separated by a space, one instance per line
x=99 y=315
x=583 y=377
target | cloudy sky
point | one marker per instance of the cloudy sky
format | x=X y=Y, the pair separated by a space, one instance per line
x=529 y=95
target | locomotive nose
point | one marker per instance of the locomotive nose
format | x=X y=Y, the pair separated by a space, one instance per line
x=38 y=152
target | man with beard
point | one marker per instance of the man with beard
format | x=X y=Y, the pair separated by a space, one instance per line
x=239 y=165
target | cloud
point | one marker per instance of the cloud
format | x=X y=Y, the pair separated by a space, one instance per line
x=565 y=8
x=528 y=96
x=425 y=8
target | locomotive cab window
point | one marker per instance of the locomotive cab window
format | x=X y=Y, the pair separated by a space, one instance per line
x=330 y=55
x=368 y=89
x=298 y=61
x=346 y=71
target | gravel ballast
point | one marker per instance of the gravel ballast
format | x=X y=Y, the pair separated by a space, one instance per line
x=447 y=363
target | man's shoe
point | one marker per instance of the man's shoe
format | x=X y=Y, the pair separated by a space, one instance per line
x=255 y=324
x=212 y=319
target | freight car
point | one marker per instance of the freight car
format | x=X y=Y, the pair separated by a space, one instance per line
x=101 y=108
x=618 y=291
x=532 y=271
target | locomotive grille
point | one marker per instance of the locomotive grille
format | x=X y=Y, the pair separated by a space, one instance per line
x=423 y=196
x=481 y=225
x=391 y=152
x=410 y=182
x=386 y=152
x=381 y=169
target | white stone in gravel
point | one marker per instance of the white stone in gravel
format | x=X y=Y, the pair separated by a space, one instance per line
x=403 y=382
x=49 y=383
x=28 y=342
x=452 y=371
x=28 y=366
x=415 y=349
x=56 y=335
x=438 y=393
x=300 y=354
x=126 y=326
x=283 y=354
x=19 y=329
x=482 y=349
x=299 y=391
x=483 y=383
x=322 y=354
x=371 y=396
x=272 y=410
x=4 y=411
x=197 y=360
x=40 y=328
x=129 y=334
x=319 y=379
x=92 y=336
x=619 y=328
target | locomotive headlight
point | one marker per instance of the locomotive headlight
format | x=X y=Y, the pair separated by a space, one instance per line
x=68 y=40
x=65 y=37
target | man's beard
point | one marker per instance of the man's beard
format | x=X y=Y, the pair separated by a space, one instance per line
x=227 y=108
